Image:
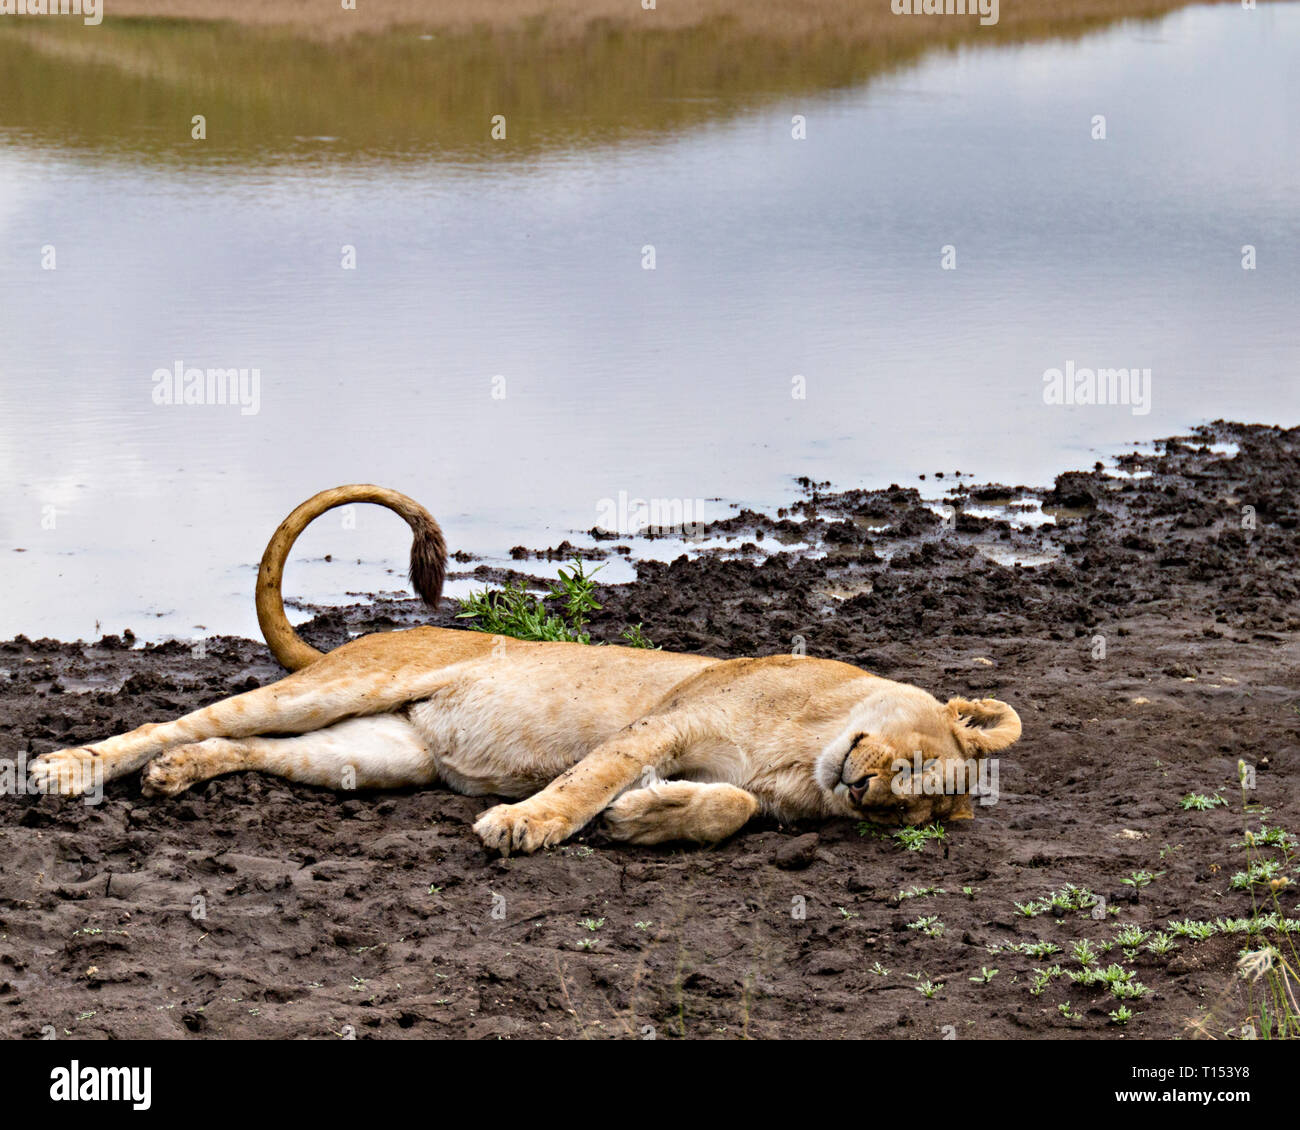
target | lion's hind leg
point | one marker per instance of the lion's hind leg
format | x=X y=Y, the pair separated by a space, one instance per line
x=680 y=810
x=380 y=752
x=345 y=683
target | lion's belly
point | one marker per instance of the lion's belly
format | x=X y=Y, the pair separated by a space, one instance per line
x=510 y=726
x=495 y=742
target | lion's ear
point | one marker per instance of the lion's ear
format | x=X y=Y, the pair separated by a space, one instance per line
x=985 y=725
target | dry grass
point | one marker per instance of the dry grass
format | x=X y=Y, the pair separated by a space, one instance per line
x=791 y=20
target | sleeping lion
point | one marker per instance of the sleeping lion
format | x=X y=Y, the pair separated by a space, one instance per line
x=666 y=747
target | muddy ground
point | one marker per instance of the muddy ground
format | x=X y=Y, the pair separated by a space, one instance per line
x=1156 y=649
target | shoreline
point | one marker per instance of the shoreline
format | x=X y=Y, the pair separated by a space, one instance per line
x=822 y=536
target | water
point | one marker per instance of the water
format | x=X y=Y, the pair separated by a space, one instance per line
x=774 y=259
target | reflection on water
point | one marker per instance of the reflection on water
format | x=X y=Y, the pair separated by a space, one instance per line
x=129 y=88
x=501 y=353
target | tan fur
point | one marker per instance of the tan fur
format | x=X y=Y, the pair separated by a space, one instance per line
x=573 y=730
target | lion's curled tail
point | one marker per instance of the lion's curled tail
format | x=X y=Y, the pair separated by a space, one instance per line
x=428 y=562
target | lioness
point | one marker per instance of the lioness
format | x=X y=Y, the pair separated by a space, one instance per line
x=575 y=730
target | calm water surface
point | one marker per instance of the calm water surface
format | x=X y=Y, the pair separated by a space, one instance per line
x=518 y=269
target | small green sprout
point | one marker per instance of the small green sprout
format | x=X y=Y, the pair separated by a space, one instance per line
x=1161 y=943
x=915 y=839
x=928 y=924
x=1261 y=872
x=1043 y=978
x=635 y=637
x=1139 y=879
x=1131 y=936
x=919 y=892
x=1084 y=953
x=1197 y=931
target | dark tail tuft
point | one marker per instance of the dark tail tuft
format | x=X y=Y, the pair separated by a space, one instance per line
x=428 y=559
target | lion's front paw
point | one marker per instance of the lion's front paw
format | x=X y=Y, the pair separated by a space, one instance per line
x=635 y=815
x=521 y=827
x=168 y=775
x=69 y=772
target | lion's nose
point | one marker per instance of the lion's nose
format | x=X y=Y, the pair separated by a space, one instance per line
x=858 y=789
